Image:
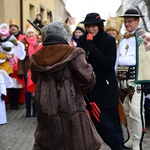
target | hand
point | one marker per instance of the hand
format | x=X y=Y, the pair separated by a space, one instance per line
x=95 y=111
x=3 y=97
x=89 y=46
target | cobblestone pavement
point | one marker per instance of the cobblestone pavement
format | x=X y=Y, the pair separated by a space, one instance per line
x=18 y=133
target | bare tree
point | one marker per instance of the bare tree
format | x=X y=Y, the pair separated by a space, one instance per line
x=147 y=3
x=143 y=20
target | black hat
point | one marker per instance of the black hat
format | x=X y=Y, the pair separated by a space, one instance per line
x=131 y=13
x=92 y=18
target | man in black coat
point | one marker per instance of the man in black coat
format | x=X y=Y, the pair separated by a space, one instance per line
x=101 y=54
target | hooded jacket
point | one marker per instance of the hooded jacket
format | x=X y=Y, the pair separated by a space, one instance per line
x=62 y=75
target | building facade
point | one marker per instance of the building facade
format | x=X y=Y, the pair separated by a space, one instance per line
x=51 y=10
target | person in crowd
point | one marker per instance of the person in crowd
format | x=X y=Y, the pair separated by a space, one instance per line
x=14 y=29
x=17 y=93
x=132 y=59
x=7 y=43
x=113 y=27
x=5 y=82
x=30 y=42
x=100 y=49
x=79 y=30
x=62 y=74
x=38 y=21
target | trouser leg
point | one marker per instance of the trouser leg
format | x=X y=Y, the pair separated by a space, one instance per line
x=13 y=96
x=34 y=110
x=28 y=104
x=134 y=111
x=126 y=105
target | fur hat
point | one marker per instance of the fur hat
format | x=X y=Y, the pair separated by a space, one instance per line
x=14 y=22
x=114 y=24
x=92 y=18
x=131 y=13
x=4 y=29
x=56 y=28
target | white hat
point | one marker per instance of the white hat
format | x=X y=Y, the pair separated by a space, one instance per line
x=4 y=29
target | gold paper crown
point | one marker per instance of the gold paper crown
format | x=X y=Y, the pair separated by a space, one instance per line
x=81 y=26
x=14 y=22
x=29 y=27
x=114 y=24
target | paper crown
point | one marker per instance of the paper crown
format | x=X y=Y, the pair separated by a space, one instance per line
x=81 y=26
x=114 y=24
x=14 y=22
x=29 y=28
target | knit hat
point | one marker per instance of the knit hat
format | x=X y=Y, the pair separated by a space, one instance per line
x=80 y=27
x=56 y=28
x=131 y=13
x=114 y=24
x=4 y=29
x=14 y=22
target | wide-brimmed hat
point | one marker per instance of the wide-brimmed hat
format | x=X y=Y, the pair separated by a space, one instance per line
x=131 y=13
x=92 y=18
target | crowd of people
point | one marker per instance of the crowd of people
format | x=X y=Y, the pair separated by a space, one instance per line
x=15 y=50
x=85 y=85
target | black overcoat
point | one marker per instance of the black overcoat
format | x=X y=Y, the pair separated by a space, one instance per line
x=102 y=59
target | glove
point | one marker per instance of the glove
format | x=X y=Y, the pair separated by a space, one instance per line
x=89 y=46
x=3 y=97
x=13 y=40
x=95 y=111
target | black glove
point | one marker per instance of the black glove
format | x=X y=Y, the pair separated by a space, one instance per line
x=3 y=97
x=89 y=46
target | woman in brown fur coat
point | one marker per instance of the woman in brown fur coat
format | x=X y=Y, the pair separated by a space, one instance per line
x=62 y=75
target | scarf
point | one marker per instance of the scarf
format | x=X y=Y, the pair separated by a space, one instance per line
x=32 y=42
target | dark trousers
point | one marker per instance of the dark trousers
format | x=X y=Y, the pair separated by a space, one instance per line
x=28 y=96
x=13 y=96
x=110 y=128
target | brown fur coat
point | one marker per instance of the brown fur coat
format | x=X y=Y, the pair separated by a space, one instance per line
x=62 y=75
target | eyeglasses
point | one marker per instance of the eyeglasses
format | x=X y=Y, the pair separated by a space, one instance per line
x=128 y=21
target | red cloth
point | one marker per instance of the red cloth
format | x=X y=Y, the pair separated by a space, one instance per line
x=38 y=47
x=30 y=84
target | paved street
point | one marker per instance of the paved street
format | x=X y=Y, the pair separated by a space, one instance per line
x=18 y=133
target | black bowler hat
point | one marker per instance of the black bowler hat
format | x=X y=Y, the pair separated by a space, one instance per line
x=92 y=18
x=131 y=13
